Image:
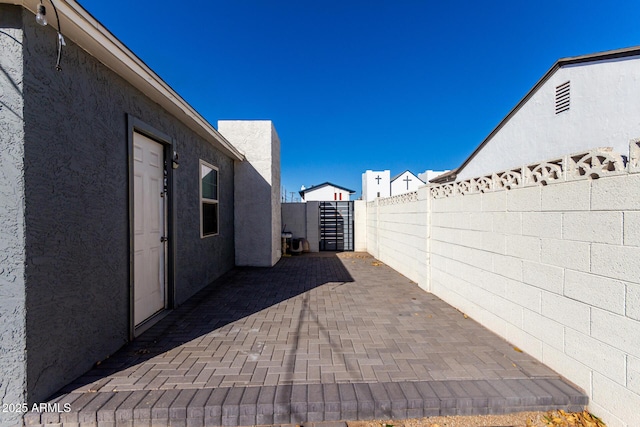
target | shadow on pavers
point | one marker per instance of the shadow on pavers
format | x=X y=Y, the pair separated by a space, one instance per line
x=239 y=293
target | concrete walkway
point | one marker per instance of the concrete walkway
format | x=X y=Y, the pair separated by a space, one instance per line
x=317 y=338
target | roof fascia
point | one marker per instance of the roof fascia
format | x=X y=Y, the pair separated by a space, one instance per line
x=410 y=173
x=594 y=57
x=445 y=177
x=90 y=35
x=324 y=184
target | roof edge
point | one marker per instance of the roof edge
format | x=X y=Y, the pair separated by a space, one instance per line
x=324 y=184
x=90 y=35
x=401 y=173
x=593 y=57
x=445 y=177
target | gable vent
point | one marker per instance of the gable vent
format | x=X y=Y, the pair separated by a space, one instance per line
x=563 y=98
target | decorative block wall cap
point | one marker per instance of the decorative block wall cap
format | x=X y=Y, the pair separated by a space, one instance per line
x=590 y=164
x=544 y=173
x=593 y=164
x=634 y=156
x=400 y=199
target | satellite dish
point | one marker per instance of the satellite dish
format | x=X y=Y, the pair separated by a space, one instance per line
x=302 y=188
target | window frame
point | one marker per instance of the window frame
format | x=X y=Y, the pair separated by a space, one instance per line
x=204 y=200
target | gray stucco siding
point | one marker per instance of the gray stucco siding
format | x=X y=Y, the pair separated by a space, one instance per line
x=77 y=204
x=12 y=235
x=204 y=259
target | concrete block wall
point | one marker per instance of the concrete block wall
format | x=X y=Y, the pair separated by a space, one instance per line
x=396 y=230
x=303 y=220
x=360 y=226
x=294 y=219
x=549 y=261
x=371 y=227
x=313 y=226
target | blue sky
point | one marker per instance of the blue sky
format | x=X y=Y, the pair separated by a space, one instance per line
x=356 y=85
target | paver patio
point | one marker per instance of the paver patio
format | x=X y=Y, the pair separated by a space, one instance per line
x=320 y=337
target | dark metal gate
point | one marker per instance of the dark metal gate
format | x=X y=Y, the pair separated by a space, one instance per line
x=336 y=226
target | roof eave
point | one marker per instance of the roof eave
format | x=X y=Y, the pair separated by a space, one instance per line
x=90 y=35
x=324 y=184
x=445 y=177
x=412 y=174
x=600 y=56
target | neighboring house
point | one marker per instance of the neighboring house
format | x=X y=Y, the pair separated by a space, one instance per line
x=326 y=192
x=117 y=199
x=405 y=182
x=380 y=184
x=376 y=184
x=542 y=218
x=580 y=103
x=324 y=219
x=429 y=174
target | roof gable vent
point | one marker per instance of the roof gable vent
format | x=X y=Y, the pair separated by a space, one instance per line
x=563 y=97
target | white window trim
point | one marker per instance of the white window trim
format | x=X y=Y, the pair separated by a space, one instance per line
x=209 y=201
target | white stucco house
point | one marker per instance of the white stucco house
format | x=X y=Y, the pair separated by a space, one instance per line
x=376 y=184
x=580 y=103
x=326 y=192
x=405 y=182
x=430 y=174
x=380 y=183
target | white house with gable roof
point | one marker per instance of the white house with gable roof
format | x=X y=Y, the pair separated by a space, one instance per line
x=405 y=182
x=555 y=189
x=326 y=192
x=581 y=103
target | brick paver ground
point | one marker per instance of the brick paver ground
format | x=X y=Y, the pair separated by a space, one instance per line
x=321 y=337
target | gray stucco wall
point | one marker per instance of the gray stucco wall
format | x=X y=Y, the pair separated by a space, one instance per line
x=201 y=260
x=12 y=253
x=76 y=186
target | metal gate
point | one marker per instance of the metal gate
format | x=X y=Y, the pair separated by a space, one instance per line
x=336 y=226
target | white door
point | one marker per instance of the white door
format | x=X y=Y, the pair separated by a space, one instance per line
x=149 y=283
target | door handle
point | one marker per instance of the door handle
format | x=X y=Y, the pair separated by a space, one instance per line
x=163 y=239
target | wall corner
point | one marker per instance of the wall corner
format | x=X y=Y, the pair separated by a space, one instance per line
x=257 y=210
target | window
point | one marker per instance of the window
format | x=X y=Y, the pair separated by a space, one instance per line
x=208 y=199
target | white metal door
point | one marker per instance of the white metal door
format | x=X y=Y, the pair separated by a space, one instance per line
x=149 y=288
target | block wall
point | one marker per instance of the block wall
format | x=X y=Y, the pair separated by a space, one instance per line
x=547 y=256
x=313 y=226
x=303 y=220
x=360 y=226
x=294 y=219
x=396 y=230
